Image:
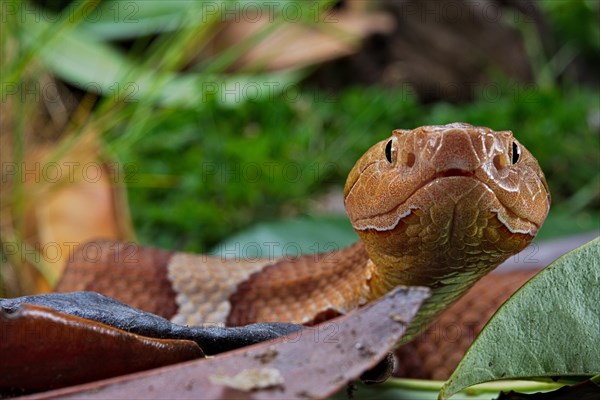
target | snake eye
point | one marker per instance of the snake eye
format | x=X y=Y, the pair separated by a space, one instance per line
x=516 y=153
x=388 y=151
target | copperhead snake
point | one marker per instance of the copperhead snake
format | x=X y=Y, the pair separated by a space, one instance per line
x=436 y=206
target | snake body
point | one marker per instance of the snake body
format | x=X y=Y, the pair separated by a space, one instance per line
x=437 y=206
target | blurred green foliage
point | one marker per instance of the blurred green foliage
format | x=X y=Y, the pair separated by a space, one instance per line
x=576 y=24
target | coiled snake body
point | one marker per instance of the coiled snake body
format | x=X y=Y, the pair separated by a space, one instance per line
x=437 y=206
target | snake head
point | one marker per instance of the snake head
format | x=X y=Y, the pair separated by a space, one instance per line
x=398 y=174
x=438 y=200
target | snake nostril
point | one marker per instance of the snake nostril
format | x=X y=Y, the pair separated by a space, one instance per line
x=500 y=161
x=410 y=159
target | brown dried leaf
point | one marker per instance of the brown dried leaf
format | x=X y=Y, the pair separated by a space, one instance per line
x=43 y=349
x=312 y=363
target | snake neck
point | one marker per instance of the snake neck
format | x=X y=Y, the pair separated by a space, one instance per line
x=448 y=264
x=445 y=289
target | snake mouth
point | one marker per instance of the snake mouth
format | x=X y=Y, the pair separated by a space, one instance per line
x=452 y=172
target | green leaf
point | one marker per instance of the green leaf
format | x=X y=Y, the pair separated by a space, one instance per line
x=126 y=19
x=95 y=66
x=291 y=237
x=548 y=328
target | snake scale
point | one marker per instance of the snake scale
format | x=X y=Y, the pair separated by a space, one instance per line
x=437 y=206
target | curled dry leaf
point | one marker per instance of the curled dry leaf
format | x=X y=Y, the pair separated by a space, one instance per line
x=43 y=349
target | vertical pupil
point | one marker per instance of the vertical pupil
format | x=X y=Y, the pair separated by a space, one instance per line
x=516 y=153
x=388 y=151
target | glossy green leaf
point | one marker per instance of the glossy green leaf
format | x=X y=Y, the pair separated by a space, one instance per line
x=550 y=327
x=290 y=237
